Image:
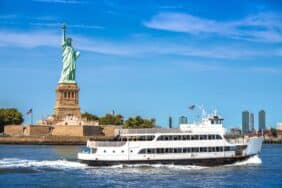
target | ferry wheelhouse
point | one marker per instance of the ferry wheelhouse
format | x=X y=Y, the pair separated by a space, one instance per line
x=202 y=143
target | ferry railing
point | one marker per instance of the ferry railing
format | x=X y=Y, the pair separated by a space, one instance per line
x=105 y=143
x=147 y=131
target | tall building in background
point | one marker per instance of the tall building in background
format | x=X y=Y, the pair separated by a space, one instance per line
x=251 y=123
x=170 y=122
x=183 y=120
x=245 y=122
x=261 y=120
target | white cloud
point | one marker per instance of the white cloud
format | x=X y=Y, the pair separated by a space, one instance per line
x=132 y=47
x=57 y=25
x=203 y=67
x=265 y=27
x=28 y=39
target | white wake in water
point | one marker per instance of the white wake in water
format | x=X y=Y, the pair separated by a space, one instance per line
x=64 y=164
x=254 y=160
x=23 y=163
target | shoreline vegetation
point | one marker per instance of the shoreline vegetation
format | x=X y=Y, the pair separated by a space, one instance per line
x=118 y=119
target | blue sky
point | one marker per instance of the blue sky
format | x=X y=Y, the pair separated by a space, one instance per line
x=149 y=58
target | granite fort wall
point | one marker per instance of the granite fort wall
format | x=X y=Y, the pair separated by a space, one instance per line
x=38 y=130
x=14 y=130
x=89 y=130
x=73 y=130
x=109 y=130
x=60 y=130
x=57 y=140
x=67 y=130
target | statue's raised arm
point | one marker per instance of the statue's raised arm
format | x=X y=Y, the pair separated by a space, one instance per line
x=64 y=34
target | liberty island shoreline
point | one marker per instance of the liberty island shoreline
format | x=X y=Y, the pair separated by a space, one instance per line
x=50 y=140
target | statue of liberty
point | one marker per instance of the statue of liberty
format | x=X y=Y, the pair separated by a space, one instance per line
x=69 y=59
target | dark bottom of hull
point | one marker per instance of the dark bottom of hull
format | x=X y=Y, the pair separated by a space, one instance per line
x=196 y=162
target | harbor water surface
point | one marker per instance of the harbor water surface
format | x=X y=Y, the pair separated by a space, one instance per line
x=56 y=166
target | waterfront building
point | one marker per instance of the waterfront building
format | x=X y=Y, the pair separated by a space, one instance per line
x=170 y=122
x=235 y=131
x=245 y=122
x=279 y=126
x=251 y=124
x=261 y=120
x=183 y=120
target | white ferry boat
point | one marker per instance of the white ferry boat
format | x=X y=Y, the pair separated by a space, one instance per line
x=202 y=144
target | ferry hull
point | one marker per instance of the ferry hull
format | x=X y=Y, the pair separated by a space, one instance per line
x=196 y=162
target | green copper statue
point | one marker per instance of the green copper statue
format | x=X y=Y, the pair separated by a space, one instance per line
x=69 y=59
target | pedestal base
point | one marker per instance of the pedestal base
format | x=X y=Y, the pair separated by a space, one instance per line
x=67 y=103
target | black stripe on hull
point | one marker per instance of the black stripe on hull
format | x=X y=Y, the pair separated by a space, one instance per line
x=196 y=162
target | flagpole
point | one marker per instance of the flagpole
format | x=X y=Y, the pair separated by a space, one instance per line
x=31 y=120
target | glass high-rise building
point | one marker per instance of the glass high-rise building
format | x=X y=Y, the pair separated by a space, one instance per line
x=251 y=123
x=183 y=120
x=245 y=122
x=261 y=120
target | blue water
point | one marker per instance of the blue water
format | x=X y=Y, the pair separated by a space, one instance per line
x=56 y=166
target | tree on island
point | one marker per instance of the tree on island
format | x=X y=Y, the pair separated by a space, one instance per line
x=110 y=119
x=139 y=122
x=89 y=116
x=10 y=116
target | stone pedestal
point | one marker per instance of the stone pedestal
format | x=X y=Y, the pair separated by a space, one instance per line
x=67 y=103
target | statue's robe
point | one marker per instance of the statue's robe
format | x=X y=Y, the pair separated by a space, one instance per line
x=69 y=60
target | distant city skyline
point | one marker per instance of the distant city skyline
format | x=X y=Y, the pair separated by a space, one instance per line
x=249 y=124
x=148 y=58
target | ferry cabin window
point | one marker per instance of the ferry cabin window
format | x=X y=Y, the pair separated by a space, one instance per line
x=140 y=138
x=177 y=150
x=211 y=137
x=218 y=137
x=203 y=149
x=194 y=137
x=160 y=150
x=229 y=148
x=194 y=150
x=177 y=137
x=219 y=149
x=186 y=137
x=183 y=150
x=203 y=137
